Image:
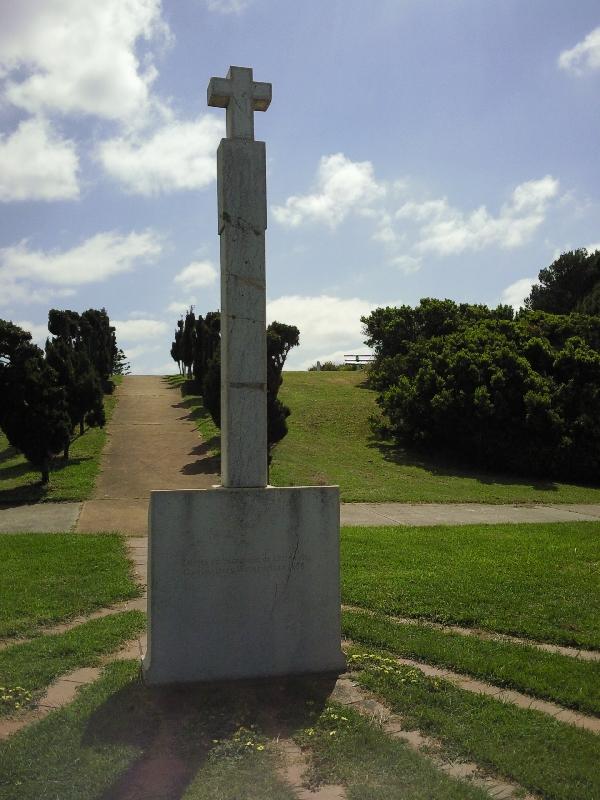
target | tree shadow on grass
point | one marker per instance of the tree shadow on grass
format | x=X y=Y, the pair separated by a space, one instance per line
x=34 y=491
x=444 y=465
x=175 y=729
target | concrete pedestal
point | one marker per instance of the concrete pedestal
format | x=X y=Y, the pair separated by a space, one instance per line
x=243 y=583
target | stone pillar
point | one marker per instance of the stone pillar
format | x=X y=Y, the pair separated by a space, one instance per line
x=241 y=171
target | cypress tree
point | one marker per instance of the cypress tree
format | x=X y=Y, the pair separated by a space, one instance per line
x=33 y=406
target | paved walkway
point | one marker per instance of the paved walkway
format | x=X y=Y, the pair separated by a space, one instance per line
x=152 y=444
x=129 y=514
x=462 y=513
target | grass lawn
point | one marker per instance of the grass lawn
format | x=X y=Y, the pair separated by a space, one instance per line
x=535 y=580
x=566 y=681
x=32 y=666
x=119 y=739
x=550 y=758
x=347 y=748
x=49 y=577
x=330 y=442
x=71 y=480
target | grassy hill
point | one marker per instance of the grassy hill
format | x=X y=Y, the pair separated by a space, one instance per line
x=330 y=442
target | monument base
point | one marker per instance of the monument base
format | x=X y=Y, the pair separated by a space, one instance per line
x=243 y=583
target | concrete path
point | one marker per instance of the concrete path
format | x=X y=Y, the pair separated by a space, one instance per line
x=462 y=513
x=129 y=515
x=41 y=518
x=152 y=444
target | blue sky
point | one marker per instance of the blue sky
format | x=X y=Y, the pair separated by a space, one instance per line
x=415 y=148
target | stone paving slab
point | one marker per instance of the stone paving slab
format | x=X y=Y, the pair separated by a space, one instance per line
x=371 y=514
x=39 y=518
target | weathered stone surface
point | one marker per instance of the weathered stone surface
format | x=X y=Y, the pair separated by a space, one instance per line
x=242 y=222
x=243 y=583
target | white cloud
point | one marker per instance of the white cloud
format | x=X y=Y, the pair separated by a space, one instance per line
x=342 y=186
x=421 y=212
x=591 y=248
x=136 y=351
x=139 y=330
x=35 y=164
x=515 y=294
x=446 y=230
x=179 y=307
x=39 y=333
x=18 y=292
x=406 y=263
x=327 y=324
x=180 y=155
x=584 y=56
x=197 y=275
x=98 y=258
x=227 y=6
x=79 y=55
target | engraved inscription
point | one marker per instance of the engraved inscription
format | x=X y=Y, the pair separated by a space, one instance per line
x=257 y=565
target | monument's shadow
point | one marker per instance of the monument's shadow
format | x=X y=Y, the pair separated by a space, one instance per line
x=170 y=732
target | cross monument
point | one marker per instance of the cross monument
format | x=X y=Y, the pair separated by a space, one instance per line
x=243 y=579
x=242 y=215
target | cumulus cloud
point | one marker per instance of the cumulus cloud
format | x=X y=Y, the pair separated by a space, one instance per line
x=591 y=248
x=342 y=186
x=139 y=330
x=179 y=155
x=197 y=275
x=36 y=164
x=23 y=271
x=446 y=230
x=584 y=57
x=76 y=56
x=327 y=325
x=515 y=294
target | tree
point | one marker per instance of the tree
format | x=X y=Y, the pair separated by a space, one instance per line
x=564 y=285
x=68 y=356
x=99 y=342
x=121 y=365
x=521 y=395
x=176 y=352
x=33 y=406
x=188 y=341
x=280 y=340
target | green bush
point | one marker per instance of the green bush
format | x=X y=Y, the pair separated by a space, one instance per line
x=521 y=394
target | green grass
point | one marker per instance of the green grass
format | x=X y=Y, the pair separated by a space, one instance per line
x=330 y=442
x=550 y=758
x=564 y=680
x=34 y=665
x=120 y=739
x=65 y=756
x=535 y=580
x=49 y=577
x=349 y=749
x=70 y=481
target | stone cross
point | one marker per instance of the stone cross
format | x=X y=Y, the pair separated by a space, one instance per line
x=242 y=200
x=241 y=96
